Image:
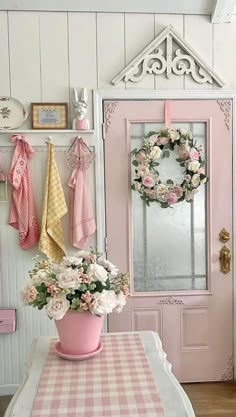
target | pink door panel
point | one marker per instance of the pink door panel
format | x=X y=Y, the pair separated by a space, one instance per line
x=195 y=325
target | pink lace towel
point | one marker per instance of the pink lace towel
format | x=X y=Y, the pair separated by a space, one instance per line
x=82 y=221
x=23 y=214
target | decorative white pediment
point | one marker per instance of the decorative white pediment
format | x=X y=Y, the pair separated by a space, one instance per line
x=161 y=56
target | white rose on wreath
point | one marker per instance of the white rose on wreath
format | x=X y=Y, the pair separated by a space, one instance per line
x=156 y=145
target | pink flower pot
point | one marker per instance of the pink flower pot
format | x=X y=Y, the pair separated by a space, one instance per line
x=79 y=332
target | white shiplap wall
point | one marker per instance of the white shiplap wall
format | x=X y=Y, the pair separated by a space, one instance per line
x=45 y=54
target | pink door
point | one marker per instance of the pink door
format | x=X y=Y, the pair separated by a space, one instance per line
x=172 y=254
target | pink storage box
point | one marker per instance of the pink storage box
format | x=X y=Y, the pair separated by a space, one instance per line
x=7 y=320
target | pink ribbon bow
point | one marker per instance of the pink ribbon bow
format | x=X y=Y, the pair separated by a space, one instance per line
x=168 y=113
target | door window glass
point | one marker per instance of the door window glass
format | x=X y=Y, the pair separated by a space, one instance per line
x=169 y=244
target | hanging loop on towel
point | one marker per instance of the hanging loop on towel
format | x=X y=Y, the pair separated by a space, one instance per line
x=75 y=159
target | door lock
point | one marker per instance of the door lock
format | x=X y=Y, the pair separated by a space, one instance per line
x=225 y=258
x=224 y=235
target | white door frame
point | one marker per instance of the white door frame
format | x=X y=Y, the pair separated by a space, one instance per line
x=101 y=95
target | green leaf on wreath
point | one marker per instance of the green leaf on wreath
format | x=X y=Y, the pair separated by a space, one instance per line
x=164 y=205
x=134 y=151
x=133 y=187
x=150 y=134
x=135 y=163
x=179 y=160
x=167 y=154
x=147 y=202
x=170 y=182
x=182 y=164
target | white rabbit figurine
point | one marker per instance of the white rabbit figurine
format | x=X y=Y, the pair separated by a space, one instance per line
x=80 y=109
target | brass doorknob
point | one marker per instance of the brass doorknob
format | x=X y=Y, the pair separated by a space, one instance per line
x=225 y=258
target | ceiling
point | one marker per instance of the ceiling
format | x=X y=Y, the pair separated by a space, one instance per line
x=220 y=10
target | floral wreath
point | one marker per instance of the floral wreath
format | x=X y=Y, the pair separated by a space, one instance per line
x=158 y=145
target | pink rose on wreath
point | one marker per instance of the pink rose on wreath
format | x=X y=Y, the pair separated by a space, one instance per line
x=153 y=138
x=164 y=140
x=194 y=154
x=187 y=177
x=201 y=171
x=140 y=156
x=148 y=181
x=178 y=190
x=172 y=198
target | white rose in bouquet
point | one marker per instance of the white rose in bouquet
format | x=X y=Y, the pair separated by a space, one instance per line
x=103 y=302
x=57 y=307
x=69 y=279
x=98 y=272
x=72 y=260
x=120 y=302
x=112 y=269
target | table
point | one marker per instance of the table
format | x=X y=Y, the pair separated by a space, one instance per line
x=174 y=399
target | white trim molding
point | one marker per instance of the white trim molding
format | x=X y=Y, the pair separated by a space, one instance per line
x=121 y=6
x=161 y=57
x=223 y=11
x=115 y=95
x=8 y=389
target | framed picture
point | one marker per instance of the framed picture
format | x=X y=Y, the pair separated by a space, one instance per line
x=49 y=115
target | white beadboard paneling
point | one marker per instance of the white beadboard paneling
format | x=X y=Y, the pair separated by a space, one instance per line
x=161 y=21
x=139 y=32
x=83 y=54
x=224 y=52
x=193 y=26
x=54 y=57
x=4 y=53
x=110 y=48
x=25 y=57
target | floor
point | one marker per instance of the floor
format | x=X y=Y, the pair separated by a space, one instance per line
x=4 y=401
x=212 y=399
x=208 y=400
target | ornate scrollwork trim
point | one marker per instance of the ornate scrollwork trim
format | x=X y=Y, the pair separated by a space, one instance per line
x=170 y=300
x=156 y=60
x=109 y=109
x=225 y=107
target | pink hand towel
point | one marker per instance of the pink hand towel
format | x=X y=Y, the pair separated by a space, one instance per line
x=82 y=221
x=23 y=214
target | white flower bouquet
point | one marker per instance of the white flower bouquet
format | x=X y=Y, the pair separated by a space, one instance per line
x=85 y=282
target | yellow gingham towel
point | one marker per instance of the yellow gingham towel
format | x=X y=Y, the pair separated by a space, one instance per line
x=54 y=208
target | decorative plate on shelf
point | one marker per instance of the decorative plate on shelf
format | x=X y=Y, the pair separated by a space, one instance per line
x=12 y=113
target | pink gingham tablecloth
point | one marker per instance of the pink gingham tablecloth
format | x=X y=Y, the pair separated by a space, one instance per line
x=117 y=382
